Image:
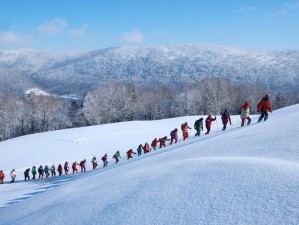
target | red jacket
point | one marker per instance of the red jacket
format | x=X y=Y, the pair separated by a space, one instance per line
x=264 y=106
x=226 y=118
x=185 y=128
x=59 y=168
x=2 y=175
x=209 y=121
x=245 y=106
x=74 y=166
x=83 y=164
x=146 y=148
x=130 y=152
x=154 y=143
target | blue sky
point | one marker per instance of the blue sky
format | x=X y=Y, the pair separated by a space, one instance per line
x=94 y=24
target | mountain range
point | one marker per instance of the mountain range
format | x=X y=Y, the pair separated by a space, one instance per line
x=76 y=73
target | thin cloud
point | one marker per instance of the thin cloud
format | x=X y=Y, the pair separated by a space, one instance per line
x=278 y=13
x=163 y=34
x=284 y=10
x=134 y=36
x=242 y=10
x=293 y=6
x=78 y=32
x=15 y=38
x=53 y=27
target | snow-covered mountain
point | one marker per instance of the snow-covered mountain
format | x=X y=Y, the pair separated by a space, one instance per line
x=245 y=175
x=77 y=73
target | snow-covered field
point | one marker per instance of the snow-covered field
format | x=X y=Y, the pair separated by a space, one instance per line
x=246 y=175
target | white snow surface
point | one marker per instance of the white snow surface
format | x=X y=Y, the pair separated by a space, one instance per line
x=246 y=175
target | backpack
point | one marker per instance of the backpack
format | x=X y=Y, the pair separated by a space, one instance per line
x=172 y=133
x=196 y=124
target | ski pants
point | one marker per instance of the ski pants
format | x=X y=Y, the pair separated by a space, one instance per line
x=33 y=176
x=41 y=175
x=60 y=173
x=94 y=166
x=1 y=181
x=197 y=133
x=264 y=116
x=243 y=121
x=162 y=145
x=83 y=169
x=208 y=129
x=105 y=163
x=139 y=153
x=172 y=138
x=185 y=135
x=27 y=177
x=53 y=174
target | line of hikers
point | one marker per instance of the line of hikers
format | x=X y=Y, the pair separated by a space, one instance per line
x=264 y=107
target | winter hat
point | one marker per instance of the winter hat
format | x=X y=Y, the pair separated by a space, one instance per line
x=175 y=129
x=225 y=110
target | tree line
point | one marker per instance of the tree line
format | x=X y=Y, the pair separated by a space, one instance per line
x=116 y=102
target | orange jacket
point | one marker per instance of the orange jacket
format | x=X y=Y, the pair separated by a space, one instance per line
x=264 y=106
x=2 y=175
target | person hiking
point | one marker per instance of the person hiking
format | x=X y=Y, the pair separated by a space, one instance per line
x=225 y=119
x=116 y=156
x=264 y=107
x=53 y=171
x=198 y=126
x=174 y=136
x=2 y=176
x=74 y=167
x=146 y=148
x=40 y=172
x=66 y=168
x=59 y=169
x=26 y=174
x=83 y=165
x=163 y=141
x=184 y=128
x=139 y=149
x=209 y=121
x=94 y=163
x=155 y=143
x=13 y=175
x=105 y=160
x=244 y=113
x=130 y=153
x=33 y=171
x=46 y=170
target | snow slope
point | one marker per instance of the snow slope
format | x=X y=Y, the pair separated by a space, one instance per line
x=244 y=175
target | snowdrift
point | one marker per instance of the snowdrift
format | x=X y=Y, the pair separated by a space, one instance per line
x=246 y=175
